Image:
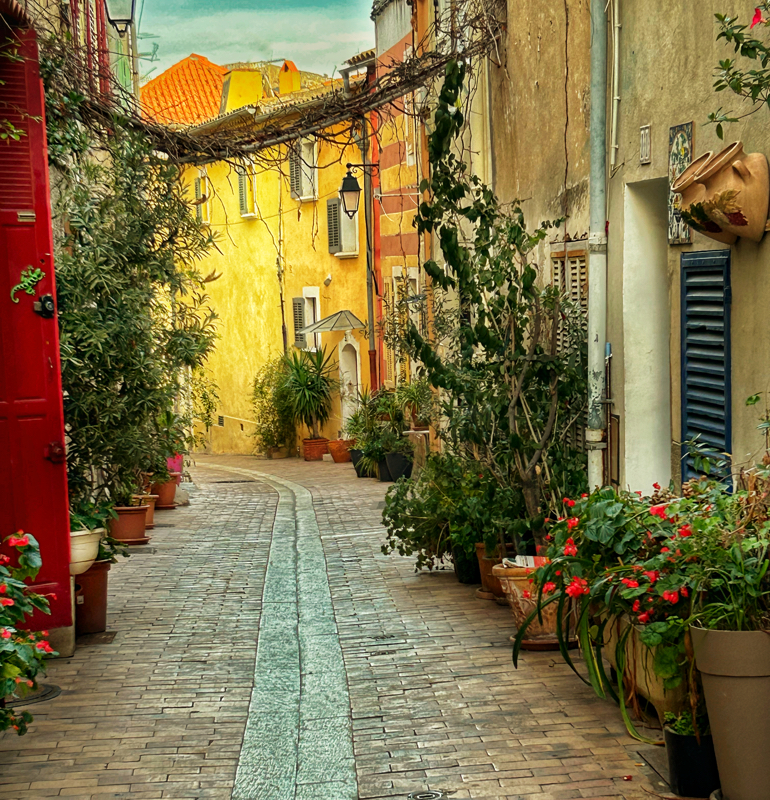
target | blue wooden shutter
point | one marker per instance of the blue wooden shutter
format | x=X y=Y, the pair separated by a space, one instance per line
x=706 y=385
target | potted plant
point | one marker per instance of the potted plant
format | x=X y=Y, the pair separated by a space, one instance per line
x=86 y=531
x=416 y=400
x=358 y=427
x=128 y=518
x=399 y=455
x=692 y=763
x=22 y=653
x=91 y=588
x=274 y=428
x=311 y=386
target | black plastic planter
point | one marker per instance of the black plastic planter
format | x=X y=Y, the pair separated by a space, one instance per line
x=692 y=767
x=384 y=472
x=355 y=457
x=398 y=465
x=466 y=566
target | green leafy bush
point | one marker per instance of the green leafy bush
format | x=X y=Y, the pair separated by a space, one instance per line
x=310 y=385
x=273 y=407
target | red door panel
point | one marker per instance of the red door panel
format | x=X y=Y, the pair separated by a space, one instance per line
x=34 y=486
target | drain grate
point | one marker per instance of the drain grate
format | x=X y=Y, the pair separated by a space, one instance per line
x=248 y=480
x=46 y=691
x=426 y=794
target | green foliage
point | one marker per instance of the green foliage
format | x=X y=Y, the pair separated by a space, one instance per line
x=133 y=314
x=416 y=400
x=22 y=653
x=273 y=406
x=507 y=354
x=684 y=725
x=310 y=385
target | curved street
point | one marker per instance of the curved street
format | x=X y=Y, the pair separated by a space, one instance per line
x=262 y=648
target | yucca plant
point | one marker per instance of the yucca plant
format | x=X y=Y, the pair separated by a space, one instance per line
x=311 y=383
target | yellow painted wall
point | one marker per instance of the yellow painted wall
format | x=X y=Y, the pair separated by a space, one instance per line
x=247 y=295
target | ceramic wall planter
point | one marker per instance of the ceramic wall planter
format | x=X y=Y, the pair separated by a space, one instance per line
x=315 y=449
x=340 y=450
x=522 y=599
x=735 y=670
x=398 y=466
x=84 y=548
x=166 y=492
x=130 y=526
x=692 y=765
x=726 y=195
x=91 y=599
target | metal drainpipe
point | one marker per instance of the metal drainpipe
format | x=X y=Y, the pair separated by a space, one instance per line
x=596 y=438
x=363 y=144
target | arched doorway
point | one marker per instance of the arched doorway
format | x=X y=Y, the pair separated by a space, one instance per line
x=349 y=385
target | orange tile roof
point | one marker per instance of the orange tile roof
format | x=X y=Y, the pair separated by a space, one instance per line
x=190 y=92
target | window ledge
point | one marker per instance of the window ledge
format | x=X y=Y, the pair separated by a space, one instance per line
x=352 y=254
x=250 y=215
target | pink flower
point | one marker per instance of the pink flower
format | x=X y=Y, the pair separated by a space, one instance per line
x=632 y=584
x=549 y=588
x=572 y=523
x=658 y=511
x=570 y=549
x=6 y=601
x=20 y=541
x=685 y=531
x=645 y=617
x=672 y=597
x=652 y=575
x=757 y=19
x=577 y=587
x=5 y=633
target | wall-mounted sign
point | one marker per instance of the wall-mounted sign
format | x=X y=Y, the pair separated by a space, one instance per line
x=680 y=150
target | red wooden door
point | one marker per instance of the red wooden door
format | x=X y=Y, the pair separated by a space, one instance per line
x=33 y=476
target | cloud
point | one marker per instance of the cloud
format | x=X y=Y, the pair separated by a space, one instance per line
x=317 y=39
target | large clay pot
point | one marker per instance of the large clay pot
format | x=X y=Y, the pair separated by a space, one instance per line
x=130 y=526
x=522 y=598
x=166 y=492
x=735 y=669
x=693 y=193
x=491 y=588
x=91 y=599
x=340 y=450
x=737 y=191
x=315 y=449
x=84 y=548
x=148 y=500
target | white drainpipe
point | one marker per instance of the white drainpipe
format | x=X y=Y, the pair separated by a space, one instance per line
x=614 y=130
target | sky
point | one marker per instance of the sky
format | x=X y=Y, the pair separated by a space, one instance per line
x=318 y=35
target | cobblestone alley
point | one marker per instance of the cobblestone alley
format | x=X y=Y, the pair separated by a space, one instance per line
x=264 y=649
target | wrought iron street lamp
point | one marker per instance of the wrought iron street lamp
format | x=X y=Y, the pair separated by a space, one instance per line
x=121 y=13
x=350 y=191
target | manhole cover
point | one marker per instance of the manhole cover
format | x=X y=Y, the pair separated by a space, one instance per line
x=426 y=794
x=46 y=691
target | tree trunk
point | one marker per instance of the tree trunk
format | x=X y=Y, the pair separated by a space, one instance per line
x=314 y=430
x=530 y=488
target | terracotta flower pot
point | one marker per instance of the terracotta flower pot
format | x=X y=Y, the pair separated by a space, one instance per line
x=340 y=450
x=522 y=599
x=693 y=194
x=315 y=449
x=148 y=500
x=130 y=526
x=735 y=669
x=166 y=492
x=91 y=599
x=84 y=548
x=737 y=192
x=491 y=588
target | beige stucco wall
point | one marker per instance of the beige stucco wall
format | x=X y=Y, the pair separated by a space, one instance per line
x=667 y=58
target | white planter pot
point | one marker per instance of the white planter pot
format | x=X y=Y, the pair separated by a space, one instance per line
x=84 y=548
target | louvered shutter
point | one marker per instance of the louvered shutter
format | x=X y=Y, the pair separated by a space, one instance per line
x=578 y=282
x=333 y=224
x=198 y=197
x=557 y=266
x=705 y=319
x=295 y=173
x=243 y=190
x=298 y=314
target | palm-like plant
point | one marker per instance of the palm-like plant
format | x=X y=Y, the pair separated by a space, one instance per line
x=311 y=384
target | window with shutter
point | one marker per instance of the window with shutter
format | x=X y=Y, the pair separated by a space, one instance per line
x=333 y=224
x=705 y=320
x=308 y=170
x=295 y=173
x=243 y=190
x=298 y=314
x=390 y=355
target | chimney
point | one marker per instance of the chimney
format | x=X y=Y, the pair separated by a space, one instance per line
x=289 y=79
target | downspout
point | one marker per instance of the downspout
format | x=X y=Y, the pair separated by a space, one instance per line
x=364 y=146
x=614 y=129
x=596 y=433
x=135 y=63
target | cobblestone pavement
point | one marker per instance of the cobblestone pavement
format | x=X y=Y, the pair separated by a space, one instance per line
x=226 y=676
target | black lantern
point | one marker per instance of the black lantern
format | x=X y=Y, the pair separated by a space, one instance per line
x=120 y=13
x=350 y=193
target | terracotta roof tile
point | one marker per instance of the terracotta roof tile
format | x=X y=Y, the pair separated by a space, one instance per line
x=190 y=92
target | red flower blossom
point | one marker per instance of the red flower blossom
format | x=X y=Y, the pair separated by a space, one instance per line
x=656 y=486
x=685 y=531
x=526 y=594
x=20 y=541
x=652 y=575
x=658 y=511
x=6 y=601
x=558 y=572
x=757 y=19
x=638 y=492
x=570 y=548
x=3 y=588
x=672 y=597
x=5 y=633
x=549 y=588
x=45 y=647
x=636 y=606
x=577 y=587
x=645 y=617
x=5 y=560
x=632 y=584
x=583 y=496
x=569 y=503
x=683 y=591
x=573 y=522
x=664 y=550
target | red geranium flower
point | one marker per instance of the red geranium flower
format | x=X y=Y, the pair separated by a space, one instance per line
x=45 y=647
x=549 y=588
x=683 y=591
x=5 y=560
x=652 y=575
x=583 y=496
x=658 y=511
x=577 y=587
x=573 y=522
x=645 y=617
x=526 y=594
x=757 y=19
x=6 y=601
x=632 y=584
x=571 y=548
x=20 y=541
x=685 y=531
x=5 y=633
x=656 y=486
x=569 y=503
x=664 y=550
x=672 y=597
x=636 y=606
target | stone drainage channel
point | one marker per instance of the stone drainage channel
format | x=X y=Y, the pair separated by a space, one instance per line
x=298 y=742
